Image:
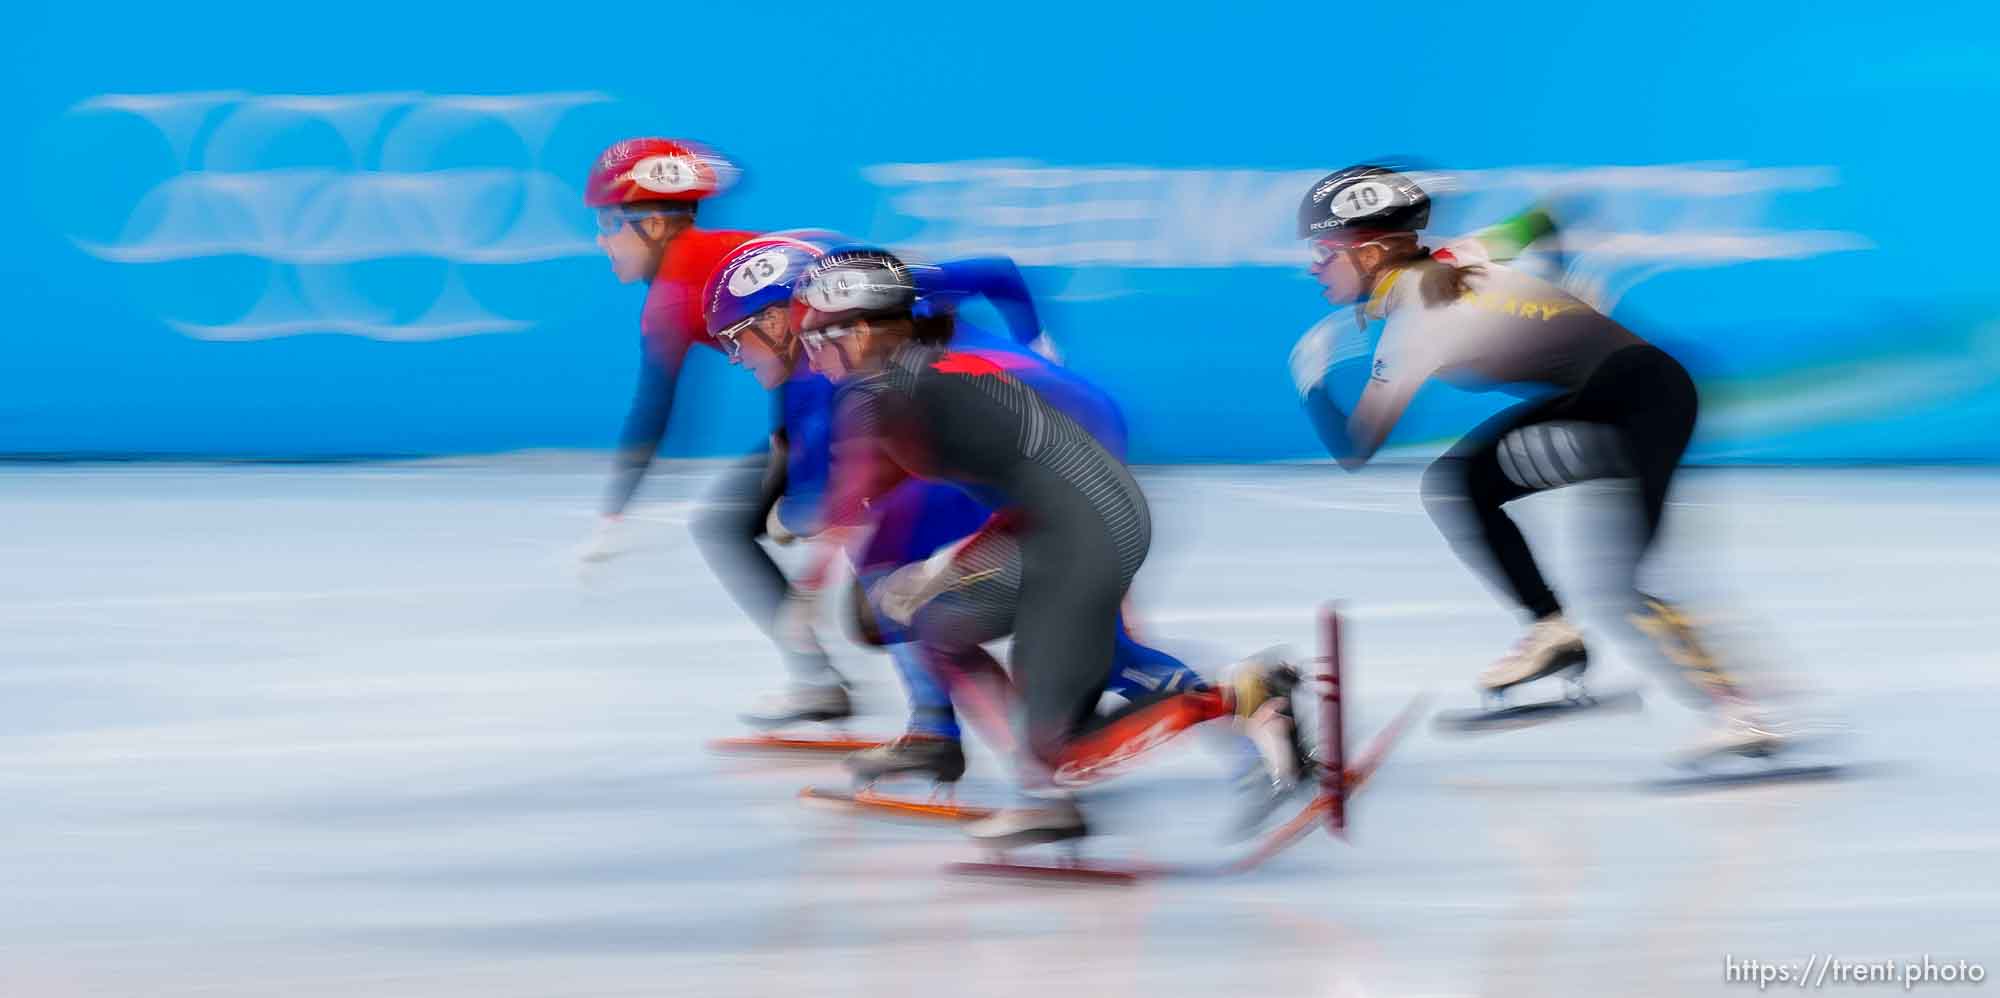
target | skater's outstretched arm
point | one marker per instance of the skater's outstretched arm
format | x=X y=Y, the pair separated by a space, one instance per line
x=999 y=281
x=802 y=444
x=1333 y=349
x=862 y=471
x=646 y=423
x=1329 y=422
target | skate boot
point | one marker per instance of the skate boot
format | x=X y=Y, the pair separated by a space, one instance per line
x=911 y=755
x=1551 y=645
x=1741 y=729
x=800 y=704
x=1049 y=818
x=1673 y=632
x=1261 y=689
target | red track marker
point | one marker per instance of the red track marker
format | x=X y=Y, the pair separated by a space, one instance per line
x=1333 y=734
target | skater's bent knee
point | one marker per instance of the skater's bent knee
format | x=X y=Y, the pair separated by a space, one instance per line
x=726 y=523
x=1446 y=482
x=863 y=625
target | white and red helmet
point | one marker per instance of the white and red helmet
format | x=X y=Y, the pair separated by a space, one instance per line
x=652 y=169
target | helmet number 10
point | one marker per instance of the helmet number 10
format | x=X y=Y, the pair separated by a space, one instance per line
x=1364 y=198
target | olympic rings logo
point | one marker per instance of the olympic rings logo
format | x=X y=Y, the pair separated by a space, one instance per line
x=366 y=210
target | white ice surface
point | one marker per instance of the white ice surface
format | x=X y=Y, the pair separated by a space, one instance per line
x=358 y=730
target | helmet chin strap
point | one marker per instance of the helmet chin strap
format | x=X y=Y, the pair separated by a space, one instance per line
x=847 y=363
x=1370 y=279
x=788 y=349
x=657 y=246
x=1364 y=286
x=838 y=345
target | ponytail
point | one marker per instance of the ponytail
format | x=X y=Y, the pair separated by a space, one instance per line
x=935 y=329
x=1443 y=283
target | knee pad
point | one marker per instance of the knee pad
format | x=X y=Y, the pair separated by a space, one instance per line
x=1551 y=455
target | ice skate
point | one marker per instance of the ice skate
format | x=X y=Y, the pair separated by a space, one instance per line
x=1740 y=730
x=800 y=704
x=1552 y=645
x=1047 y=820
x=1262 y=687
x=942 y=759
x=1747 y=747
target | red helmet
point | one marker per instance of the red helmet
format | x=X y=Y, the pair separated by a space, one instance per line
x=656 y=170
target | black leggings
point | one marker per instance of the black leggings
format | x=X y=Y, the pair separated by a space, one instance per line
x=1056 y=585
x=728 y=528
x=1631 y=418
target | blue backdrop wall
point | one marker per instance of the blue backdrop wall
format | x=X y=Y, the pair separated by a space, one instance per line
x=255 y=230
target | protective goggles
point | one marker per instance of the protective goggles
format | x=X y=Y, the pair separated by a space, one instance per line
x=732 y=345
x=1324 y=250
x=610 y=220
x=820 y=339
x=731 y=339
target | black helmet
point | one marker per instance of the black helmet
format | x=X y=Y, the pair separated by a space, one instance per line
x=1366 y=199
x=854 y=282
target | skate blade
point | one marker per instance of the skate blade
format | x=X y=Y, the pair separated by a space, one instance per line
x=1081 y=872
x=1085 y=872
x=1077 y=871
x=1767 y=776
x=795 y=744
x=1760 y=752
x=1527 y=715
x=877 y=804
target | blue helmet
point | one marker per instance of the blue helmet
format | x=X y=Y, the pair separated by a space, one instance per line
x=757 y=275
